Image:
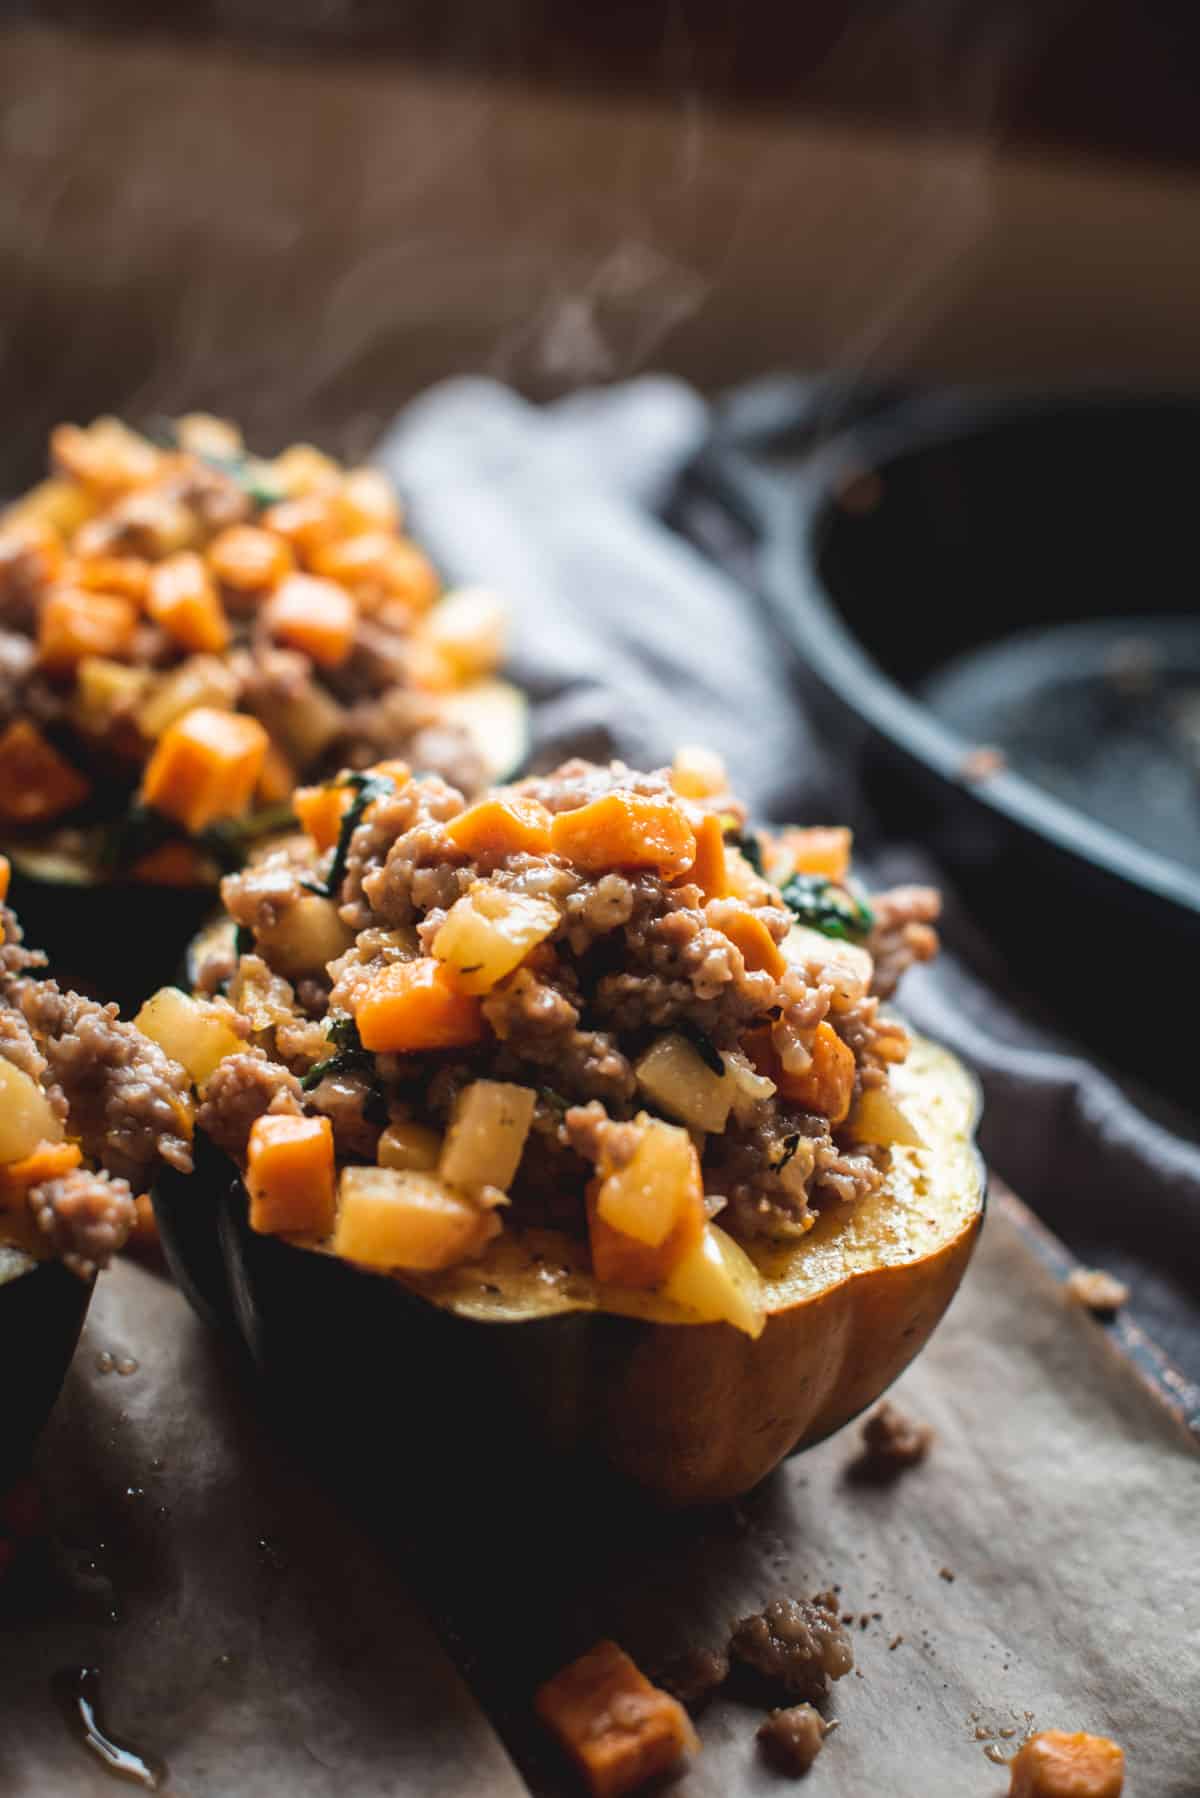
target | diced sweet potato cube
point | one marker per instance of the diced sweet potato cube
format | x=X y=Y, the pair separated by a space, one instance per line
x=47 y=1161
x=416 y=1005
x=708 y=871
x=1058 y=1764
x=499 y=827
x=36 y=783
x=315 y=616
x=403 y=1218
x=248 y=559
x=5 y=877
x=127 y=575
x=305 y=522
x=290 y=1175
x=818 y=850
x=183 y=599
x=205 y=767
x=626 y=830
x=411 y=576
x=366 y=501
x=698 y=773
x=618 y=1729
x=302 y=468
x=74 y=623
x=645 y=1216
x=320 y=811
x=364 y=560
x=470 y=629
x=105 y=456
x=827 y=1086
x=747 y=932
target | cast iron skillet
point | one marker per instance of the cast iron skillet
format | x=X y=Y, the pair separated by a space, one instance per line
x=937 y=527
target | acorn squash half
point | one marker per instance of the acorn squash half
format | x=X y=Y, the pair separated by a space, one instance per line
x=690 y=1412
x=42 y=1308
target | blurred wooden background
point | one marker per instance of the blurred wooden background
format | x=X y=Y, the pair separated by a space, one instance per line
x=304 y=213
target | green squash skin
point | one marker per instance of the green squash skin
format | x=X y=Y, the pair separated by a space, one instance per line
x=376 y=1362
x=41 y=1315
x=117 y=939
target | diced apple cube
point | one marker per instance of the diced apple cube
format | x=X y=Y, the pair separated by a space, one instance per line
x=676 y=1079
x=647 y=1197
x=719 y=1283
x=192 y=1032
x=486 y=1139
x=404 y=1219
x=26 y=1118
x=489 y=932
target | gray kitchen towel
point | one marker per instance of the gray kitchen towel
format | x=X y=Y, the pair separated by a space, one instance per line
x=630 y=641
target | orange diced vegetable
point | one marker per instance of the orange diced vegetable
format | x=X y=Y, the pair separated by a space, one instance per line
x=416 y=1005
x=47 y=1162
x=248 y=559
x=304 y=522
x=827 y=1086
x=277 y=778
x=366 y=501
x=495 y=828
x=747 y=932
x=619 y=1730
x=411 y=576
x=302 y=468
x=407 y=1218
x=1056 y=1764
x=363 y=558
x=173 y=864
x=708 y=870
x=106 y=456
x=127 y=575
x=620 y=1260
x=320 y=811
x=5 y=877
x=183 y=599
x=74 y=623
x=626 y=830
x=289 y=1175
x=698 y=773
x=820 y=850
x=315 y=616
x=36 y=783
x=646 y=1215
x=205 y=767
x=144 y=1235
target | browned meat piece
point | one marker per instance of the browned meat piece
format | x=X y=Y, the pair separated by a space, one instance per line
x=15 y=959
x=792 y=1739
x=694 y=1675
x=343 y=1099
x=796 y=1645
x=892 y=1443
x=128 y=1100
x=1097 y=1291
x=904 y=933
x=242 y=1088
x=87 y=1218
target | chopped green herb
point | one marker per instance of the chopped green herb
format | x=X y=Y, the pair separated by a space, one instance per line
x=832 y=910
x=704 y=1046
x=554 y=1100
x=790 y=1144
x=248 y=474
x=368 y=788
x=747 y=843
x=349 y=1057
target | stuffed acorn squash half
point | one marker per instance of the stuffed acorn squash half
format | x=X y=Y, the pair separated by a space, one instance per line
x=86 y=1106
x=579 y=1103
x=189 y=631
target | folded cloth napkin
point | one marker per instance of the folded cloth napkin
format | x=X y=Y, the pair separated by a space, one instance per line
x=631 y=640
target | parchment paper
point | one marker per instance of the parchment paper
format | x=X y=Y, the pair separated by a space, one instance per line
x=245 y=1631
x=271 y=1641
